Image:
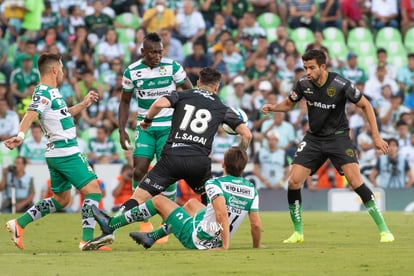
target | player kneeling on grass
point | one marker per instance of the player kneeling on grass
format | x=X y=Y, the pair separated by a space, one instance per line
x=196 y=226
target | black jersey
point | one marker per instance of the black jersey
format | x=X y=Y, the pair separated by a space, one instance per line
x=326 y=103
x=197 y=115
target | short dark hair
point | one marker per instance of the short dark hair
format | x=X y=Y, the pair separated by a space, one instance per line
x=315 y=54
x=209 y=76
x=381 y=50
x=393 y=140
x=235 y=160
x=45 y=60
x=152 y=37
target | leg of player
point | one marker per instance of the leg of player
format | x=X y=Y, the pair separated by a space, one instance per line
x=354 y=178
x=40 y=209
x=92 y=196
x=298 y=175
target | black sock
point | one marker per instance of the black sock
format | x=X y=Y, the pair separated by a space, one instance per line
x=294 y=195
x=129 y=204
x=364 y=193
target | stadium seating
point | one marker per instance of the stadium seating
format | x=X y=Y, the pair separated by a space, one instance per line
x=125 y=35
x=409 y=40
x=128 y=19
x=387 y=35
x=337 y=49
x=357 y=36
x=333 y=34
x=269 y=21
x=302 y=37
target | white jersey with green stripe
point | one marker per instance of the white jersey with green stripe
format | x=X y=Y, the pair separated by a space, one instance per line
x=56 y=121
x=241 y=198
x=149 y=84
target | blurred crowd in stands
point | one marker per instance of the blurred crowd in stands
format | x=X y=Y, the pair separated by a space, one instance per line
x=255 y=44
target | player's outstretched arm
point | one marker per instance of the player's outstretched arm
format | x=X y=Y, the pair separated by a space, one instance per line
x=155 y=108
x=90 y=98
x=256 y=229
x=25 y=124
x=285 y=106
x=366 y=107
x=222 y=218
x=246 y=136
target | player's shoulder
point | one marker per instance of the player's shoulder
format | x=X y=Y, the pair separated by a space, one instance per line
x=42 y=90
x=136 y=65
x=338 y=79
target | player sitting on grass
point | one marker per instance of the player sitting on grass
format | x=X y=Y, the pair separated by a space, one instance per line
x=230 y=199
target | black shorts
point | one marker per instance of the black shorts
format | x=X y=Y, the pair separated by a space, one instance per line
x=313 y=151
x=195 y=170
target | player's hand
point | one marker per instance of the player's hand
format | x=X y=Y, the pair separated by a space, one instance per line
x=267 y=108
x=381 y=145
x=144 y=125
x=124 y=139
x=91 y=97
x=13 y=142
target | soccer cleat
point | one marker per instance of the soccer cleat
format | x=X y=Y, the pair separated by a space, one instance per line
x=83 y=247
x=103 y=221
x=142 y=239
x=17 y=232
x=296 y=237
x=387 y=237
x=98 y=243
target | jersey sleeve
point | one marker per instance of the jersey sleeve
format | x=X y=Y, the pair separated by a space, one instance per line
x=352 y=93
x=255 y=204
x=174 y=97
x=296 y=93
x=213 y=190
x=127 y=84
x=179 y=75
x=232 y=119
x=40 y=101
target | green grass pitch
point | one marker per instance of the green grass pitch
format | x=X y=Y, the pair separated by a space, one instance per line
x=335 y=244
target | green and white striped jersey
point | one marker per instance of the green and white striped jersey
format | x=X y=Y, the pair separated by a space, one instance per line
x=56 y=121
x=241 y=198
x=150 y=84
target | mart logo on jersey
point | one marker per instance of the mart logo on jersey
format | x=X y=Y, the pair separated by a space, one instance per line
x=350 y=152
x=331 y=91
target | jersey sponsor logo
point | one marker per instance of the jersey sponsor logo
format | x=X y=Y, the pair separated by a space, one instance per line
x=238 y=190
x=44 y=101
x=331 y=91
x=340 y=81
x=308 y=91
x=190 y=137
x=126 y=82
x=142 y=93
x=321 y=105
x=234 y=201
x=204 y=94
x=36 y=98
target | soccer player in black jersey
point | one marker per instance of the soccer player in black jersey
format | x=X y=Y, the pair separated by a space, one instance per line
x=326 y=94
x=196 y=118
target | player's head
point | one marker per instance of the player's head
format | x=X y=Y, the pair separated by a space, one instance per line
x=235 y=160
x=50 y=65
x=209 y=79
x=314 y=62
x=152 y=50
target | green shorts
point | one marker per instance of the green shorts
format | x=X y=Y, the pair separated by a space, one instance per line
x=69 y=170
x=182 y=225
x=151 y=141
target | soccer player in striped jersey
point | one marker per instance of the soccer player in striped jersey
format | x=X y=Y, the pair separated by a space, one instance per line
x=67 y=166
x=148 y=79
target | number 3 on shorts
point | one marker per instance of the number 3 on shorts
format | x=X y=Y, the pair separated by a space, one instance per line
x=301 y=146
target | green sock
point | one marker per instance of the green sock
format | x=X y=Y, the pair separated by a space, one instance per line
x=40 y=209
x=88 y=221
x=138 y=213
x=375 y=213
x=296 y=216
x=161 y=232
